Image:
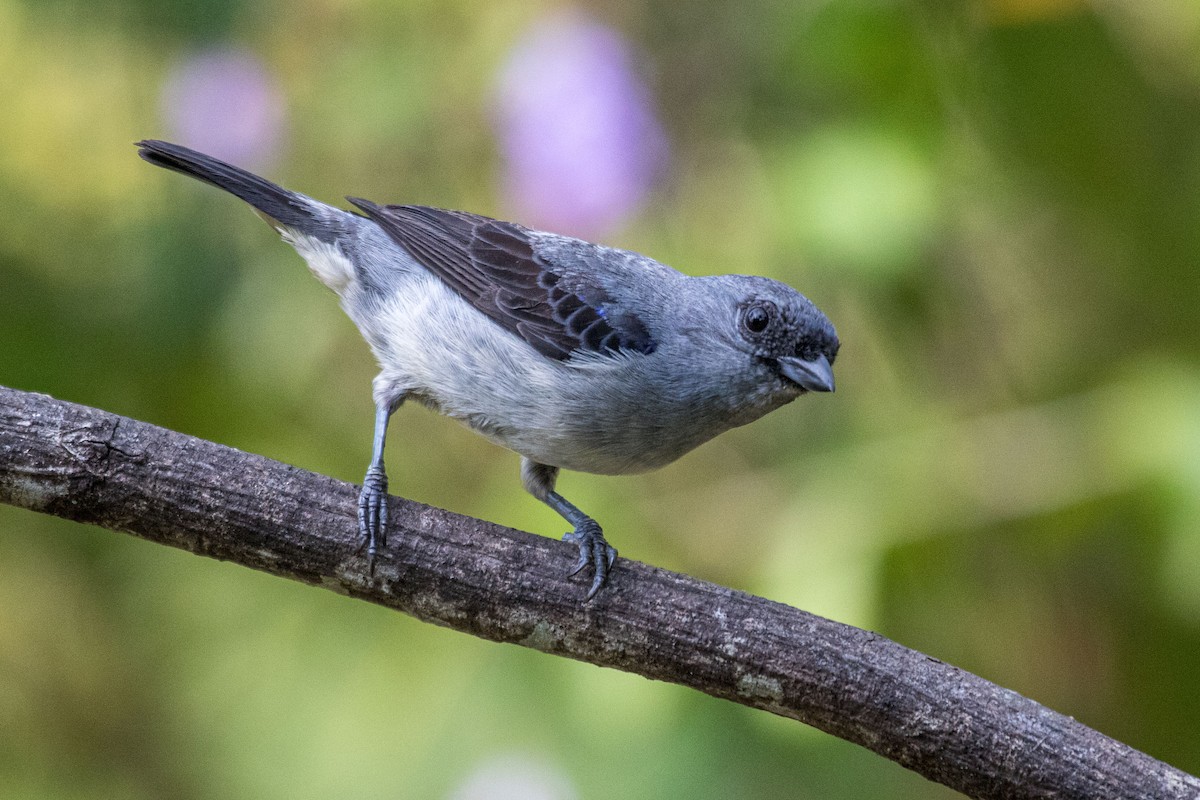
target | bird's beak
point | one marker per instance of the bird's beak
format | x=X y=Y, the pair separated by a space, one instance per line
x=815 y=375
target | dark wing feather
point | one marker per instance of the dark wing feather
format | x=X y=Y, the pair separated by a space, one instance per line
x=493 y=265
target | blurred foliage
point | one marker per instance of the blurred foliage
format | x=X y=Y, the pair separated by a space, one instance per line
x=996 y=201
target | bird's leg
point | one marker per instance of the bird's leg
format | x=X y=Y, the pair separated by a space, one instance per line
x=539 y=480
x=372 y=500
x=593 y=549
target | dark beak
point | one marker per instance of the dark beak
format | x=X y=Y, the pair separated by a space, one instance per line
x=815 y=375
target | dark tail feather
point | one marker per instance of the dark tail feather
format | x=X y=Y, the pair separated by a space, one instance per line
x=288 y=208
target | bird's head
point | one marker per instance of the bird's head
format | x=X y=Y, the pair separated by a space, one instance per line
x=785 y=345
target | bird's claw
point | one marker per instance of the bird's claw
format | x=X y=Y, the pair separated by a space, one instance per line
x=372 y=514
x=593 y=550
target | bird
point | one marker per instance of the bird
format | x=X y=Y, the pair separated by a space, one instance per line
x=575 y=355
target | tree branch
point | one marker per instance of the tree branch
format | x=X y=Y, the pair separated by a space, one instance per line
x=497 y=583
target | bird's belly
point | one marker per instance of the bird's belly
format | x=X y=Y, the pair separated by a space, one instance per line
x=586 y=440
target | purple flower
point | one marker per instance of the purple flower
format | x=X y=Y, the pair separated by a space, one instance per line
x=581 y=144
x=224 y=102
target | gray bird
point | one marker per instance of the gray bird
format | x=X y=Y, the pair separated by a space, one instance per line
x=574 y=355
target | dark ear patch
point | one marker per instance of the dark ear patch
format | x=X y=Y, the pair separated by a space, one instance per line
x=493 y=265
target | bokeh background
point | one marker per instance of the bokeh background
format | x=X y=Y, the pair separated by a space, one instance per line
x=996 y=201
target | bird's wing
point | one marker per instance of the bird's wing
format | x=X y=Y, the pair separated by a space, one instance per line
x=494 y=266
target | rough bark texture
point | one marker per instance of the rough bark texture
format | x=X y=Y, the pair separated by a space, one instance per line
x=497 y=583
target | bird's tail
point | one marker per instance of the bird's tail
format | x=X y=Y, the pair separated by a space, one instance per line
x=289 y=209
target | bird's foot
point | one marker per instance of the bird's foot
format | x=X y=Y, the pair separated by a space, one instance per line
x=593 y=550
x=372 y=514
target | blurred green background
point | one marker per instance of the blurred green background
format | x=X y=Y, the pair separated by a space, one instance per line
x=996 y=201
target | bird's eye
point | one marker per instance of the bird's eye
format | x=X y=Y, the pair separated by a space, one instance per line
x=757 y=318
